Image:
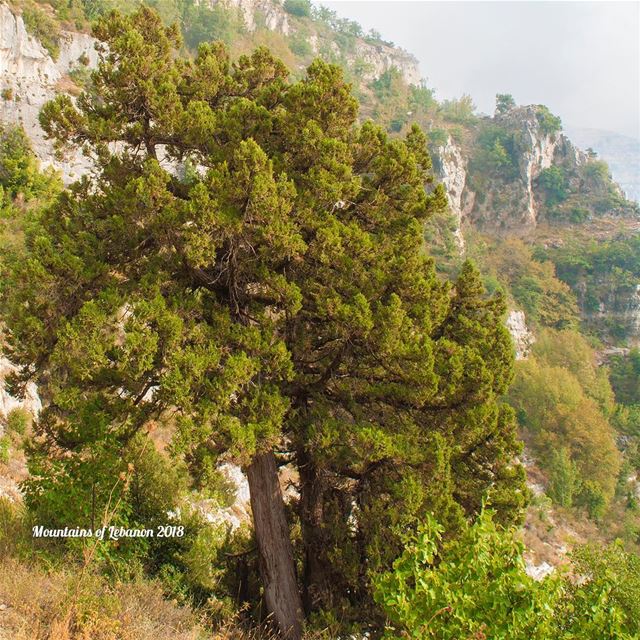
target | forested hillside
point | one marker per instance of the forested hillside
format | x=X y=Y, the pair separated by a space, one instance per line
x=365 y=362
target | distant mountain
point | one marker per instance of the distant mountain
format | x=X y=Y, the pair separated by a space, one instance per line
x=621 y=153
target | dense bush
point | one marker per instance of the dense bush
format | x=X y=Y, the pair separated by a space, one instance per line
x=476 y=586
x=202 y=22
x=18 y=421
x=20 y=175
x=497 y=152
x=43 y=27
x=549 y=124
x=625 y=377
x=603 y=275
x=547 y=301
x=504 y=102
x=461 y=111
x=554 y=183
x=301 y=8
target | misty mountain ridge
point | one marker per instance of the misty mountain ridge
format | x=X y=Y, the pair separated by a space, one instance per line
x=620 y=152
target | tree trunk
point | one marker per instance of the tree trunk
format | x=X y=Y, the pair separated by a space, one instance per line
x=277 y=568
x=316 y=578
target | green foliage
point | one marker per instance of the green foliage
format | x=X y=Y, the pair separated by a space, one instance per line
x=20 y=174
x=473 y=586
x=18 y=421
x=547 y=300
x=201 y=23
x=616 y=571
x=602 y=275
x=578 y=214
x=597 y=171
x=5 y=443
x=300 y=45
x=438 y=137
x=43 y=27
x=549 y=124
x=476 y=587
x=557 y=414
x=627 y=419
x=278 y=298
x=461 y=111
x=392 y=95
x=497 y=152
x=564 y=478
x=504 y=102
x=625 y=377
x=554 y=183
x=300 y=8
x=593 y=498
x=571 y=350
x=421 y=98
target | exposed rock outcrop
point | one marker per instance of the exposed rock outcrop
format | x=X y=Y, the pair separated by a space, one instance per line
x=31 y=401
x=451 y=167
x=523 y=338
x=29 y=77
x=510 y=205
x=373 y=58
x=255 y=12
x=510 y=200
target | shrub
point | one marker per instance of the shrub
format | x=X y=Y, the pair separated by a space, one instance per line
x=4 y=449
x=556 y=413
x=593 y=499
x=438 y=137
x=18 y=421
x=549 y=124
x=460 y=111
x=504 y=102
x=563 y=478
x=579 y=214
x=497 y=151
x=554 y=183
x=301 y=8
x=625 y=377
x=203 y=23
x=44 y=28
x=19 y=168
x=476 y=586
x=300 y=45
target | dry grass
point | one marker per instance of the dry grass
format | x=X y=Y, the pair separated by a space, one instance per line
x=53 y=606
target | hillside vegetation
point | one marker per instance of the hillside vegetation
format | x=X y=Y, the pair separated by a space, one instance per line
x=258 y=274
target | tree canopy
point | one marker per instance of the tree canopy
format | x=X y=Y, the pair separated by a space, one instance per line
x=247 y=265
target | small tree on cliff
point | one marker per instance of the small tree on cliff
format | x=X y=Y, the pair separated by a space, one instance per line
x=275 y=298
x=504 y=102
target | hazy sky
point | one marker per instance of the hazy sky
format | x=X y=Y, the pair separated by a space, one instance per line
x=581 y=59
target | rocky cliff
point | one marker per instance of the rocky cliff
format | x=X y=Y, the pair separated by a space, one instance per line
x=504 y=198
x=373 y=58
x=29 y=77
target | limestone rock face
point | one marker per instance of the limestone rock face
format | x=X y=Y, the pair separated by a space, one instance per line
x=374 y=58
x=510 y=205
x=523 y=338
x=451 y=167
x=30 y=77
x=31 y=402
x=379 y=57
x=272 y=14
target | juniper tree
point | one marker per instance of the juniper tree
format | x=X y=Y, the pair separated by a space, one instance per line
x=249 y=259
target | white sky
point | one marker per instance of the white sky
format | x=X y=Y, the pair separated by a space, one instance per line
x=581 y=59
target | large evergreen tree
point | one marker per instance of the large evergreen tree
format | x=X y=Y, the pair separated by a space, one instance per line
x=248 y=261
